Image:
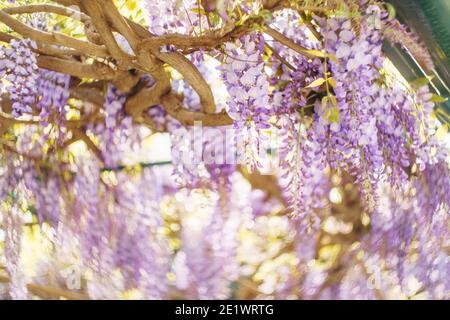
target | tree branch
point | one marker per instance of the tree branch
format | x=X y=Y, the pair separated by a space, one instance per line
x=48 y=8
x=173 y=106
x=281 y=38
x=192 y=76
x=52 y=38
x=94 y=9
x=80 y=134
x=74 y=68
x=52 y=292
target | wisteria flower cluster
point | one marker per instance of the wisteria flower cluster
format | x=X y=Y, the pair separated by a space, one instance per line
x=18 y=64
x=55 y=94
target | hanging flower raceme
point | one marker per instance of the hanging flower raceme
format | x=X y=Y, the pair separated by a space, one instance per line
x=45 y=189
x=302 y=146
x=140 y=252
x=18 y=63
x=412 y=222
x=115 y=131
x=376 y=134
x=248 y=87
x=201 y=156
x=171 y=16
x=206 y=264
x=14 y=223
x=53 y=89
x=397 y=33
x=303 y=164
x=187 y=147
x=162 y=16
x=351 y=115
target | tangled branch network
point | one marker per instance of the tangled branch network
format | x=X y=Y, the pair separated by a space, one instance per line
x=215 y=149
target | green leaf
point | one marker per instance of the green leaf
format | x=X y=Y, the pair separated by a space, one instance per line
x=131 y=5
x=391 y=10
x=333 y=100
x=324 y=101
x=332 y=114
x=283 y=85
x=332 y=82
x=199 y=10
x=438 y=99
x=215 y=18
x=333 y=58
x=316 y=83
x=266 y=14
x=316 y=53
x=420 y=82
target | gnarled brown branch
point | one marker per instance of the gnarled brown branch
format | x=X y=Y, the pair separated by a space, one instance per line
x=95 y=11
x=52 y=38
x=173 y=105
x=281 y=38
x=74 y=68
x=48 y=8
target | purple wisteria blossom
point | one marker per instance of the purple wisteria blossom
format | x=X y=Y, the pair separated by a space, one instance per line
x=18 y=63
